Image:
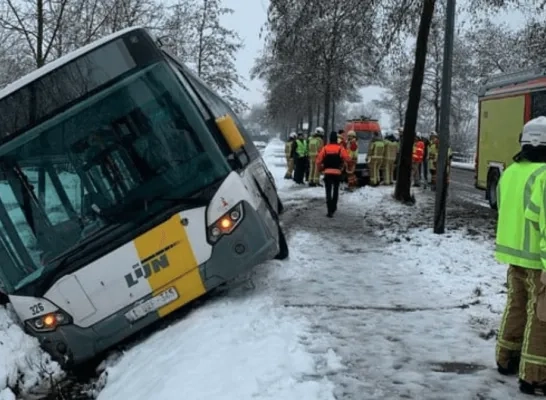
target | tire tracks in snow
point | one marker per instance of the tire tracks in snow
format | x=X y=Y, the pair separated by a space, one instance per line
x=399 y=309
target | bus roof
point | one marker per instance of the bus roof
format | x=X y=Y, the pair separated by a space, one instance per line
x=59 y=62
x=513 y=82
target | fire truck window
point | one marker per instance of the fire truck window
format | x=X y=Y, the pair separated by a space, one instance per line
x=538 y=104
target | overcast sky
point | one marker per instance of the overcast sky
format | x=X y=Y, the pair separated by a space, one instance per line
x=250 y=16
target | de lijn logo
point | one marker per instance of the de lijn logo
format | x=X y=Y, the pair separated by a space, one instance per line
x=149 y=266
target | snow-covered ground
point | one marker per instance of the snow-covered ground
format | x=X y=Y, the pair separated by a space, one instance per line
x=370 y=305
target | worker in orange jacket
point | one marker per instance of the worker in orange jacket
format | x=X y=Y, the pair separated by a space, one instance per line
x=330 y=161
x=417 y=159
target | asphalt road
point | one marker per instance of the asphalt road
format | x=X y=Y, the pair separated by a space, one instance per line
x=462 y=188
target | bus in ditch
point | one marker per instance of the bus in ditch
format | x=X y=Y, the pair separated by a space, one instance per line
x=506 y=102
x=128 y=189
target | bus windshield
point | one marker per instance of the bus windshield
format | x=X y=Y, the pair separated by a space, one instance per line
x=100 y=163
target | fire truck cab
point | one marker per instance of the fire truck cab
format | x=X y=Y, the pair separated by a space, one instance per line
x=506 y=102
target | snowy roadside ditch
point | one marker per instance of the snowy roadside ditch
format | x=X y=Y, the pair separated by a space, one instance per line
x=25 y=370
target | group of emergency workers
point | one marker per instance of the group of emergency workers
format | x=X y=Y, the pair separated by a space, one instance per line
x=304 y=164
x=425 y=160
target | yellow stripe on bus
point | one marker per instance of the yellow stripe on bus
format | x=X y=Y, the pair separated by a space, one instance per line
x=168 y=245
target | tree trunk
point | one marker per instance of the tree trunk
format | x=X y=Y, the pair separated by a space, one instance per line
x=402 y=190
x=309 y=112
x=333 y=114
x=40 y=33
x=437 y=107
x=326 y=102
x=318 y=112
x=201 y=32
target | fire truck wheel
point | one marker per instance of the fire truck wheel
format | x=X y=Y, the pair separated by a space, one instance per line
x=492 y=183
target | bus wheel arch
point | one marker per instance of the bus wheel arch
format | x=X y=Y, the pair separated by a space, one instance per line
x=493 y=177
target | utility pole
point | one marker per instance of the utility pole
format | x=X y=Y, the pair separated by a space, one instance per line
x=445 y=104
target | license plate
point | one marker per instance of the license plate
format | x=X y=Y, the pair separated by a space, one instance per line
x=365 y=172
x=156 y=302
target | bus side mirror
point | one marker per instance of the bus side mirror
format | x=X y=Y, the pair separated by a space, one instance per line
x=230 y=132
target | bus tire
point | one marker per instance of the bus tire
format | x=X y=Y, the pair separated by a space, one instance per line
x=283 y=246
x=492 y=183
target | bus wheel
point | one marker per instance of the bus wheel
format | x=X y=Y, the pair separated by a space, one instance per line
x=492 y=184
x=283 y=246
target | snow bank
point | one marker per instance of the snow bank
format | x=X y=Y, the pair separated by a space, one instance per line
x=24 y=367
x=236 y=348
x=461 y=165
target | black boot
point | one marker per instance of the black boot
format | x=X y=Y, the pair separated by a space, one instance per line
x=532 y=388
x=510 y=369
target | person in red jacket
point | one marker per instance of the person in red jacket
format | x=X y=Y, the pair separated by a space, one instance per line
x=330 y=161
x=417 y=159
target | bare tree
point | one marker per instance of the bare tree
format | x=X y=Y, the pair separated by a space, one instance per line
x=215 y=51
x=403 y=183
x=37 y=21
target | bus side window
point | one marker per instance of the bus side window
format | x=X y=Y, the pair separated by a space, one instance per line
x=220 y=108
x=210 y=121
x=538 y=104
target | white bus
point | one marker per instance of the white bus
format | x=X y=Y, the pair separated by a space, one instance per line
x=128 y=189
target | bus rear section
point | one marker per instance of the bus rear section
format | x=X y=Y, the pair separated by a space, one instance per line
x=506 y=103
x=124 y=196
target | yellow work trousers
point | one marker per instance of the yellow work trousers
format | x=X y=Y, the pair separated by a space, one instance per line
x=314 y=173
x=289 y=168
x=388 y=171
x=375 y=170
x=522 y=336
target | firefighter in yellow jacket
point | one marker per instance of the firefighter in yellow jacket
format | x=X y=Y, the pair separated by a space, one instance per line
x=521 y=341
x=391 y=151
x=376 y=153
x=314 y=147
x=352 y=149
x=289 y=155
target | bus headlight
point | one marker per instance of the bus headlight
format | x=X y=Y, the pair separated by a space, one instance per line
x=226 y=223
x=48 y=322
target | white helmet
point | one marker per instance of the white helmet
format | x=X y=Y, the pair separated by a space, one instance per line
x=534 y=132
x=293 y=135
x=319 y=130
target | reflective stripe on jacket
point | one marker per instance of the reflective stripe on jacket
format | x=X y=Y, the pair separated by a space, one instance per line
x=518 y=241
x=330 y=159
x=535 y=213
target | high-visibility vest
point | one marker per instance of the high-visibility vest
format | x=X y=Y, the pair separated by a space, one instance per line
x=301 y=148
x=518 y=239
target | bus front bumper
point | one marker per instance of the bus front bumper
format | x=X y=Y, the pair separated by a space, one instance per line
x=234 y=254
